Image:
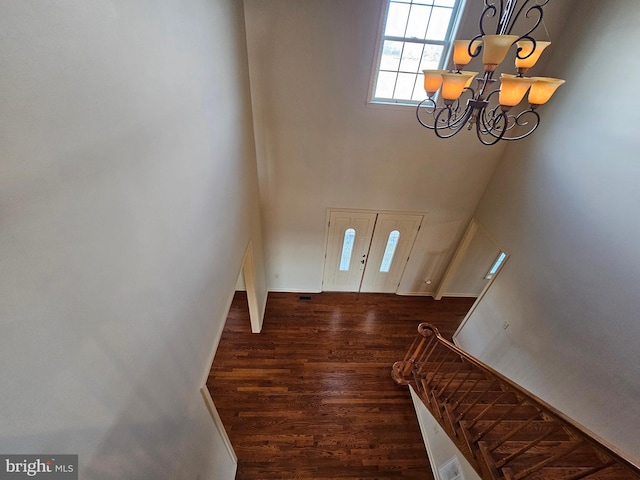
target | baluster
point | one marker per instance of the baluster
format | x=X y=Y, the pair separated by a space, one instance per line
x=500 y=419
x=459 y=401
x=450 y=363
x=530 y=445
x=475 y=402
x=428 y=351
x=519 y=428
x=452 y=377
x=591 y=471
x=435 y=371
x=489 y=407
x=551 y=459
x=455 y=390
x=424 y=356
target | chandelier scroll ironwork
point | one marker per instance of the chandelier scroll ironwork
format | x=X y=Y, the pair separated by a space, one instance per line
x=489 y=108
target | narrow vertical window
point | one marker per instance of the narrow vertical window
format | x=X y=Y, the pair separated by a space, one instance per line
x=347 y=249
x=496 y=265
x=389 y=251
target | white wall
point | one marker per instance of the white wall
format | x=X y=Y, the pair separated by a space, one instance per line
x=128 y=194
x=475 y=255
x=320 y=145
x=564 y=205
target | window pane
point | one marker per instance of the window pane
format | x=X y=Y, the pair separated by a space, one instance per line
x=404 y=85
x=347 y=249
x=446 y=3
x=391 y=52
x=389 y=251
x=431 y=57
x=418 y=20
x=411 y=56
x=397 y=19
x=439 y=24
x=418 y=90
x=385 y=85
x=496 y=265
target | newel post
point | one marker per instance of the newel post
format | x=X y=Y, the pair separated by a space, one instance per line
x=402 y=371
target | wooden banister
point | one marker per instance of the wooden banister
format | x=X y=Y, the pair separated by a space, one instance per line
x=429 y=368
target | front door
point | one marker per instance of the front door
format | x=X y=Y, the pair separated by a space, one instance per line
x=368 y=251
x=347 y=250
x=393 y=238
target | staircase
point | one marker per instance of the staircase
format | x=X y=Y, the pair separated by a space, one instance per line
x=504 y=431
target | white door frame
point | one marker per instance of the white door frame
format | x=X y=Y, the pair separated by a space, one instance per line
x=250 y=284
x=456 y=261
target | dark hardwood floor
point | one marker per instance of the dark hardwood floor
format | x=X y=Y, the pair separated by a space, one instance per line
x=311 y=397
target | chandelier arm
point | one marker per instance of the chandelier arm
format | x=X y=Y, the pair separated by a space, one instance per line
x=425 y=108
x=518 y=122
x=490 y=10
x=494 y=92
x=456 y=108
x=489 y=114
x=483 y=130
x=478 y=48
x=535 y=8
x=533 y=49
x=456 y=126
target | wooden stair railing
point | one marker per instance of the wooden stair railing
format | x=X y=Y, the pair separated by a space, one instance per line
x=503 y=430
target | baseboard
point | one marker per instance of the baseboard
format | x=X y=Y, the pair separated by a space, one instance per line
x=292 y=290
x=415 y=294
x=458 y=295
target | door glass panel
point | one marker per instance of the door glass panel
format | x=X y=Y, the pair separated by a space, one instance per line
x=347 y=249
x=390 y=249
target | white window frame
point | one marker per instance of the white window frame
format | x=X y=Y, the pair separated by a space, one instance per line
x=496 y=265
x=444 y=60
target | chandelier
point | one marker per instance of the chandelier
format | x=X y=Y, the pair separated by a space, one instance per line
x=488 y=109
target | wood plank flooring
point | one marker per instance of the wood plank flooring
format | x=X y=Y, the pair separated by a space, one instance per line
x=311 y=397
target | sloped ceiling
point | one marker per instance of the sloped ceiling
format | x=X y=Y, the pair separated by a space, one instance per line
x=321 y=145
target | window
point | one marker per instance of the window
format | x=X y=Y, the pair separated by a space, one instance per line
x=390 y=249
x=416 y=36
x=496 y=265
x=347 y=249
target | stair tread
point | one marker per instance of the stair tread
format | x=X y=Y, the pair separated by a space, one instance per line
x=576 y=459
x=612 y=473
x=505 y=427
x=519 y=414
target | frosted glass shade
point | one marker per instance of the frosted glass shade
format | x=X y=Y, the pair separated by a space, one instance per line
x=471 y=76
x=531 y=60
x=495 y=49
x=454 y=83
x=461 y=51
x=513 y=89
x=542 y=89
x=432 y=81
